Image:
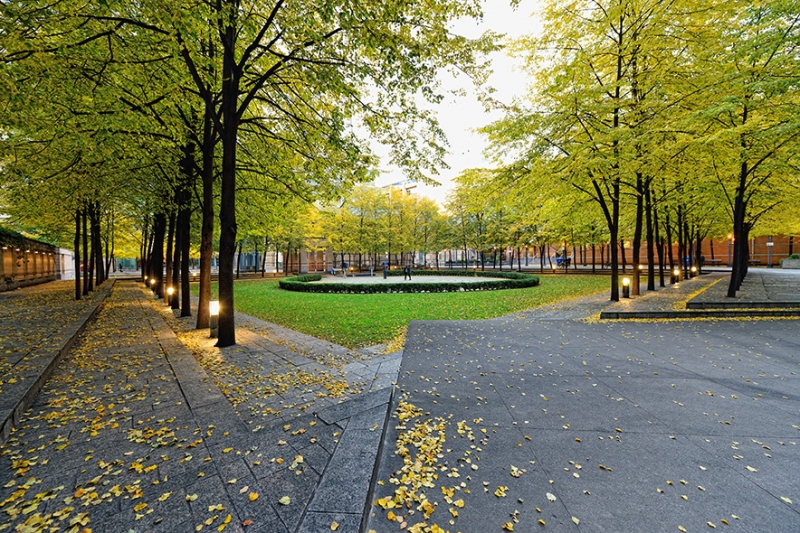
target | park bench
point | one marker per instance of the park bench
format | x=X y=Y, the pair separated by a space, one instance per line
x=713 y=262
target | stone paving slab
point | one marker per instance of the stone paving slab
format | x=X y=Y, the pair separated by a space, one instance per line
x=38 y=324
x=613 y=423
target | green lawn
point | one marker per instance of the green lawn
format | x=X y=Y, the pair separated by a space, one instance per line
x=357 y=320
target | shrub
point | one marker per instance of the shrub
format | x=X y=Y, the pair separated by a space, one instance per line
x=510 y=280
x=794 y=256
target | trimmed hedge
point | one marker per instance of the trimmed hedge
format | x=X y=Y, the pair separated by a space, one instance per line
x=510 y=280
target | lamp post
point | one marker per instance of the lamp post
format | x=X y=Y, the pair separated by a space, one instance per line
x=626 y=287
x=171 y=297
x=213 y=318
x=730 y=250
x=770 y=244
x=676 y=276
x=153 y=284
x=693 y=272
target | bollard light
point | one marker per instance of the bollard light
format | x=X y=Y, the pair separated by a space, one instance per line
x=170 y=292
x=626 y=287
x=676 y=275
x=694 y=271
x=213 y=318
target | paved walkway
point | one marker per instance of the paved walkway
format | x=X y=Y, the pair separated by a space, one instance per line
x=764 y=293
x=130 y=434
x=39 y=324
x=529 y=423
x=762 y=288
x=146 y=426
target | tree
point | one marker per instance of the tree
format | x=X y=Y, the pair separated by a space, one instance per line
x=297 y=74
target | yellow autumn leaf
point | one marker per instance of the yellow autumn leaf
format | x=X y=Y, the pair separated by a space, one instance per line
x=334 y=525
x=541 y=522
x=459 y=503
x=391 y=516
x=711 y=525
x=164 y=496
x=508 y=526
x=191 y=497
x=254 y=496
x=682 y=529
x=139 y=506
x=786 y=500
x=285 y=500
x=575 y=520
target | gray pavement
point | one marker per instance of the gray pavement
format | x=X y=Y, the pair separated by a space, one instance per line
x=131 y=434
x=39 y=324
x=764 y=293
x=546 y=415
x=530 y=423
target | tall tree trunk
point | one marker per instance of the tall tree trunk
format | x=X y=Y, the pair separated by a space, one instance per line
x=176 y=264
x=239 y=260
x=170 y=252
x=159 y=230
x=637 y=231
x=97 y=244
x=668 y=230
x=184 y=222
x=92 y=246
x=77 y=254
x=207 y=223
x=264 y=259
x=229 y=137
x=648 y=211
x=86 y=286
x=185 y=219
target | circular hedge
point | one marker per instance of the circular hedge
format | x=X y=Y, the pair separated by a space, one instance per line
x=510 y=280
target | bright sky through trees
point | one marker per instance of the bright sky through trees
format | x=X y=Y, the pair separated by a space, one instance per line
x=461 y=114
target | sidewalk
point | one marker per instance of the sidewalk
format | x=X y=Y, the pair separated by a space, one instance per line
x=38 y=324
x=765 y=293
x=146 y=426
x=540 y=422
x=130 y=434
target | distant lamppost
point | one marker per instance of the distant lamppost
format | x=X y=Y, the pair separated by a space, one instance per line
x=626 y=287
x=730 y=249
x=676 y=276
x=770 y=244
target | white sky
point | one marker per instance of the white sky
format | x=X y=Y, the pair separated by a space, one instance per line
x=459 y=116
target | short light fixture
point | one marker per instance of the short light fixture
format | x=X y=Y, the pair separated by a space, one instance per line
x=170 y=291
x=626 y=287
x=213 y=318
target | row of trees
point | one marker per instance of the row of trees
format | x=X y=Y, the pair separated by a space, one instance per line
x=173 y=111
x=673 y=118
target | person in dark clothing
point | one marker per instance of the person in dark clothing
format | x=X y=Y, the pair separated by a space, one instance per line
x=407 y=272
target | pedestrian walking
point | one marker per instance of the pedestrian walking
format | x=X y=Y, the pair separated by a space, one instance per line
x=384 y=269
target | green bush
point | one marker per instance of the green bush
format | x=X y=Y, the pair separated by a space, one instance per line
x=794 y=256
x=510 y=280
